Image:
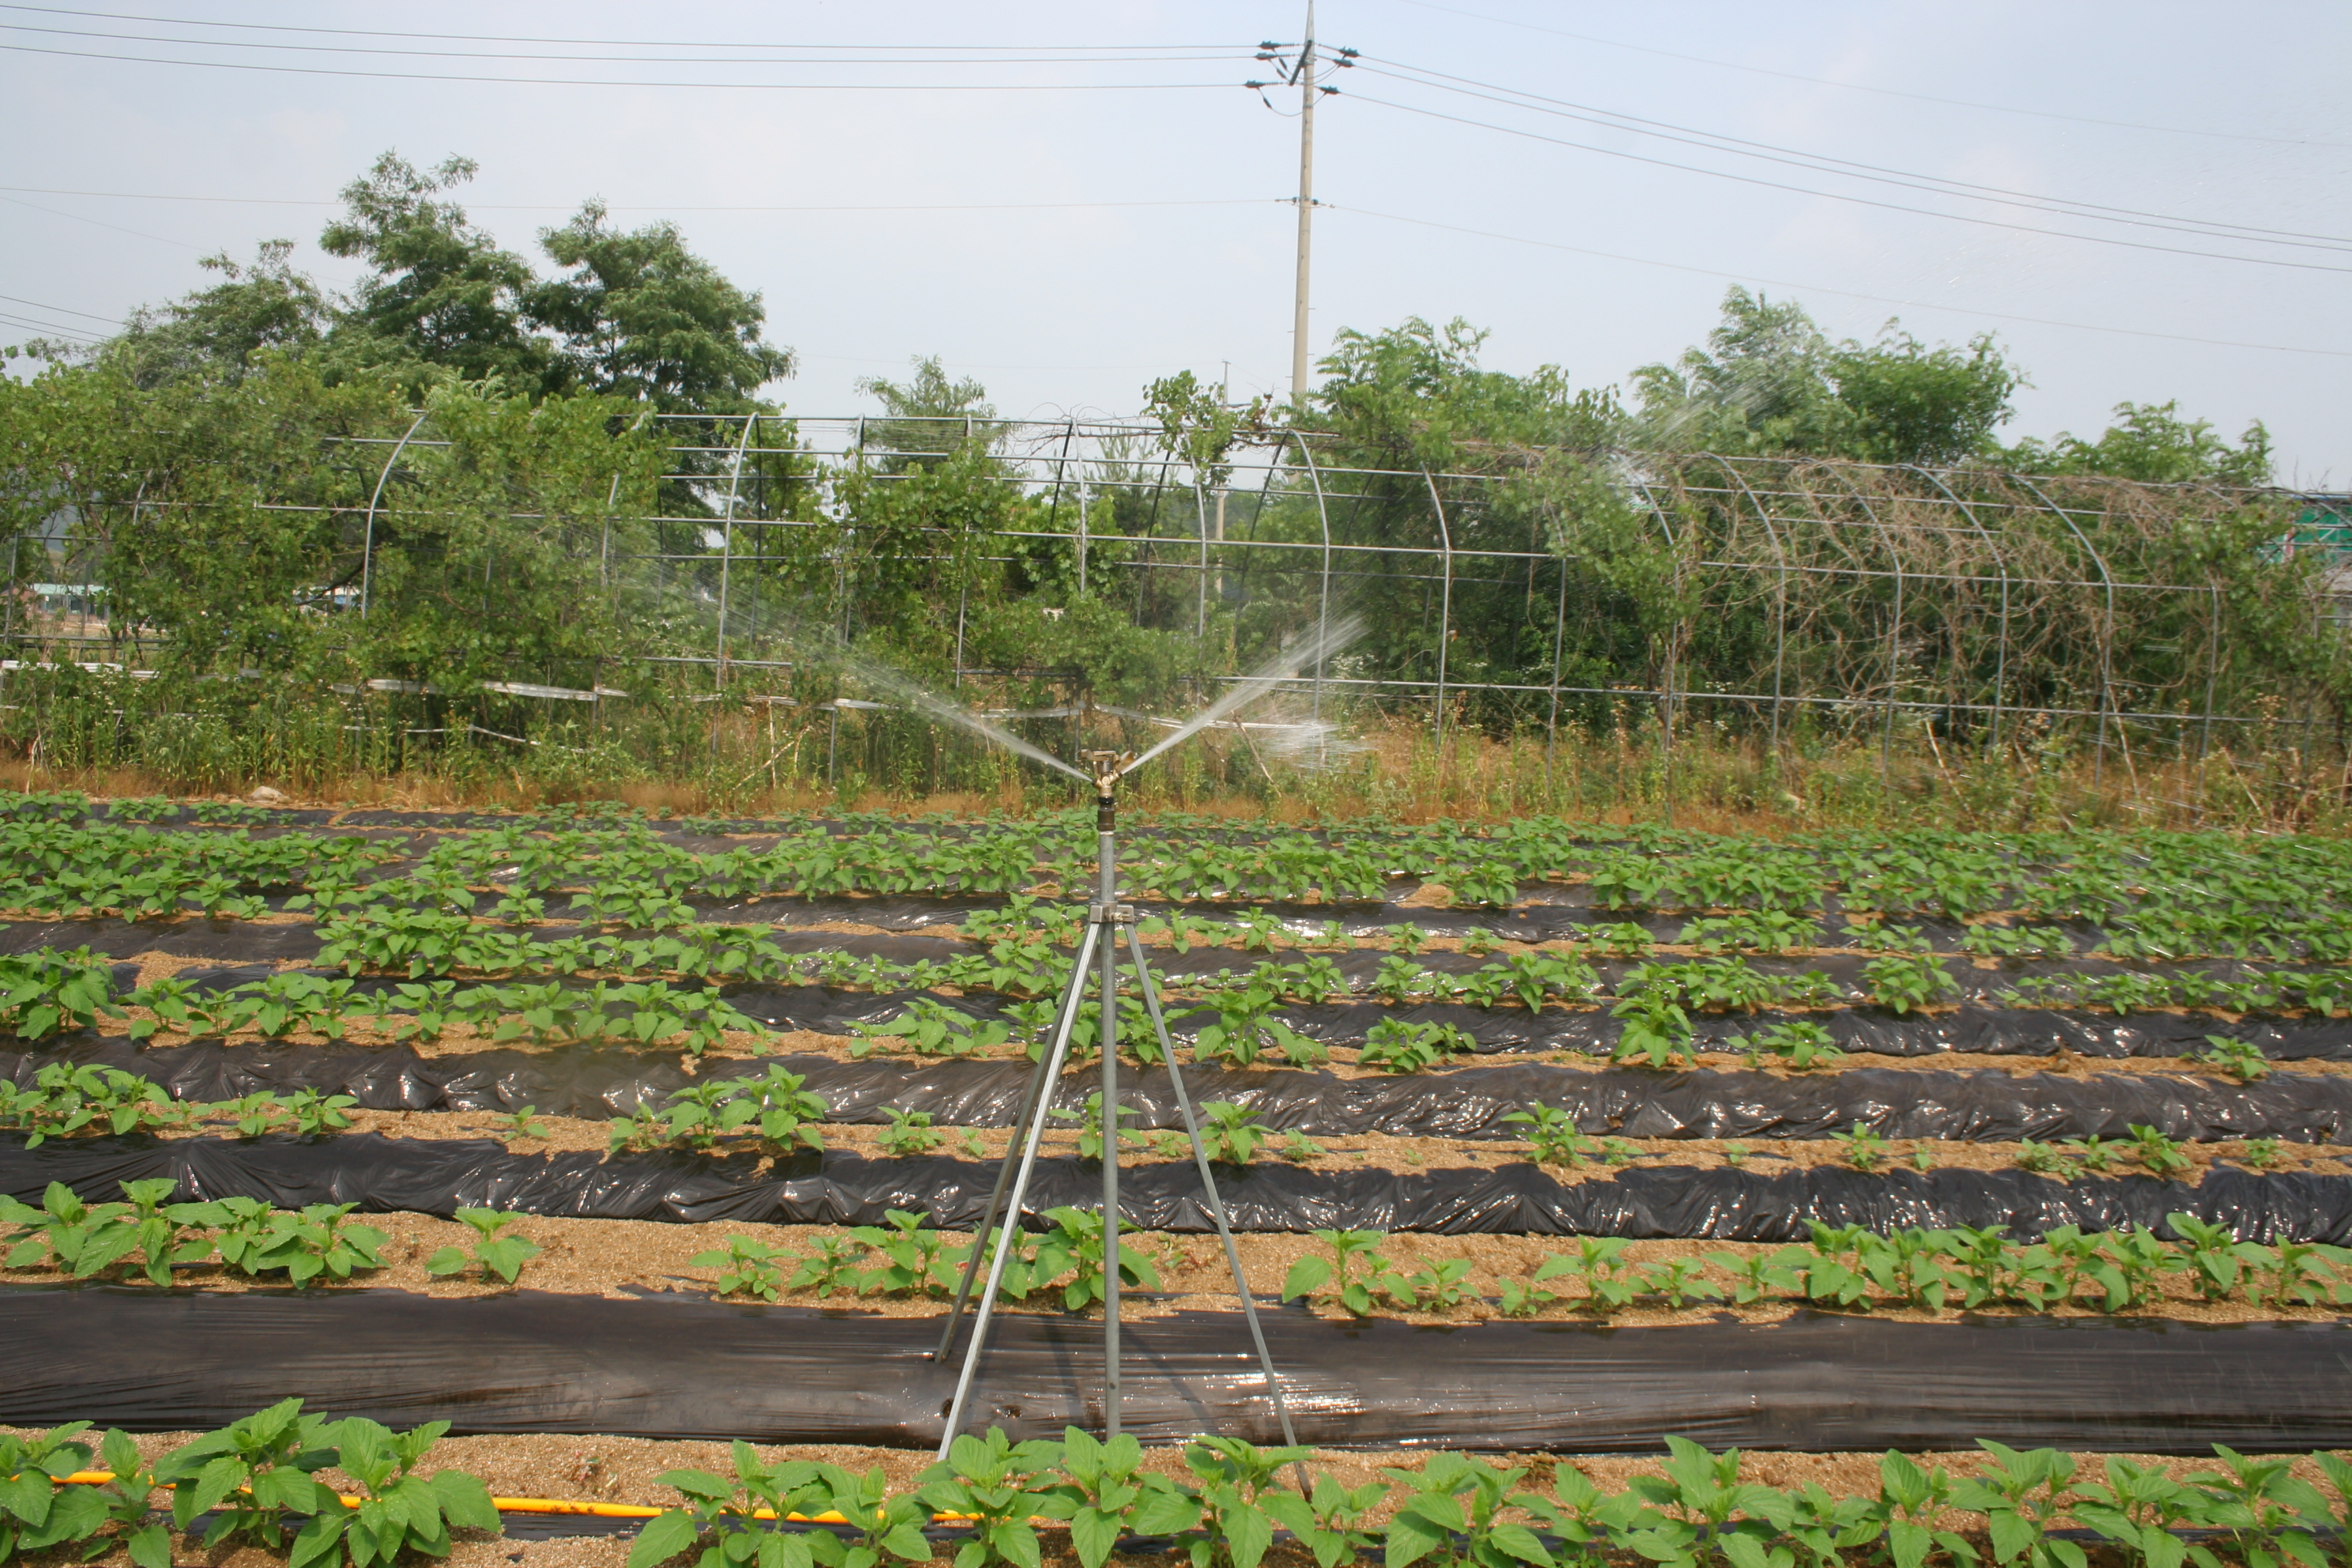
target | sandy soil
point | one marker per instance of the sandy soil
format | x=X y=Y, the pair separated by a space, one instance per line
x=618 y=1259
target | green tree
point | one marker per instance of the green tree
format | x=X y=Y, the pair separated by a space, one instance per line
x=1769 y=382
x=2150 y=442
x=439 y=292
x=638 y=315
x=928 y=412
x=1416 y=396
x=214 y=333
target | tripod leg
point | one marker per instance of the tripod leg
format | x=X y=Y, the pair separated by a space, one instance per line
x=1216 y=1201
x=1109 y=1042
x=1033 y=1104
x=987 y=1308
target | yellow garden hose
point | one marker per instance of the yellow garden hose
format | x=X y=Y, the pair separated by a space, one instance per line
x=566 y=1505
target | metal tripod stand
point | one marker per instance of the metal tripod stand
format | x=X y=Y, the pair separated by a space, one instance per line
x=1107 y=921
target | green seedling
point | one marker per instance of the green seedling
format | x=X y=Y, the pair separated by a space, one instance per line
x=2241 y=1059
x=1799 y=1046
x=502 y=1256
x=1553 y=1137
x=746 y=1267
x=1864 y=1148
x=525 y=1122
x=909 y=1133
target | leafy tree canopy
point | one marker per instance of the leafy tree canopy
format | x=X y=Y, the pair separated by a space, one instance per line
x=640 y=316
x=1416 y=396
x=216 y=331
x=928 y=412
x=1768 y=382
x=439 y=291
x=2151 y=442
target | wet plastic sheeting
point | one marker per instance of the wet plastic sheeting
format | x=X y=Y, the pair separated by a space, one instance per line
x=688 y=1368
x=442 y=1175
x=1468 y=1102
x=240 y=941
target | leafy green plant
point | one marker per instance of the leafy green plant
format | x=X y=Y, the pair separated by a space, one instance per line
x=1108 y=1492
x=1800 y=1046
x=2241 y=1059
x=1352 y=1269
x=726 y=1512
x=1911 y=1503
x=1524 y=1298
x=1073 y=1246
x=746 y=1267
x=38 y=1513
x=1089 y=1121
x=1455 y=1505
x=502 y=1256
x=774 y=1113
x=2260 y=1153
x=1240 y=1506
x=67 y=1098
x=1864 y=1148
x=317 y=1240
x=399 y=1511
x=45 y=992
x=1229 y=1133
x=1612 y=1280
x=1657 y=1031
x=909 y=1133
x=1699 y=1505
x=1553 y=1136
x=1394 y=1045
x=2266 y=1512
x=2158 y=1153
x=1000 y=1485
x=2042 y=1158
x=2022 y=1496
x=1242 y=1031
x=525 y=1122
x=255 y=1471
x=912 y=1256
x=931 y=1028
x=1904 y=982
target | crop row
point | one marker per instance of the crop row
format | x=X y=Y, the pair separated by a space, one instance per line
x=255 y=1483
x=1233 y=1015
x=2204 y=890
x=775 y=1115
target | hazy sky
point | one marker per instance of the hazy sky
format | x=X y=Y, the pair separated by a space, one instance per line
x=1115 y=228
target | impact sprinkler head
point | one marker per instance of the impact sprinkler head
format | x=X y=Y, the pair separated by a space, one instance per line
x=1106 y=767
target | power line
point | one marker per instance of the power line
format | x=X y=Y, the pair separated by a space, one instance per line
x=593 y=81
x=1848 y=293
x=584 y=43
x=1841 y=196
x=662 y=206
x=616 y=60
x=61 y=310
x=1880 y=92
x=100 y=223
x=1824 y=163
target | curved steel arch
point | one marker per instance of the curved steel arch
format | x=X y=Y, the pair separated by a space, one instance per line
x=1780 y=591
x=367 y=543
x=2000 y=564
x=2107 y=625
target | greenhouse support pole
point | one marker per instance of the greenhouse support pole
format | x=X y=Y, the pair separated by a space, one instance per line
x=1444 y=612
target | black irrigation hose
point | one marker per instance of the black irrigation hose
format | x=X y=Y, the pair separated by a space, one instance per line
x=1468 y=1102
x=686 y=1367
x=441 y=1176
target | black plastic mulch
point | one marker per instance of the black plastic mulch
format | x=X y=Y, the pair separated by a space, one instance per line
x=690 y=1368
x=439 y=1176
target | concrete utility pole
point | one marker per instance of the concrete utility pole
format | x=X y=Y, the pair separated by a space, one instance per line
x=1306 y=203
